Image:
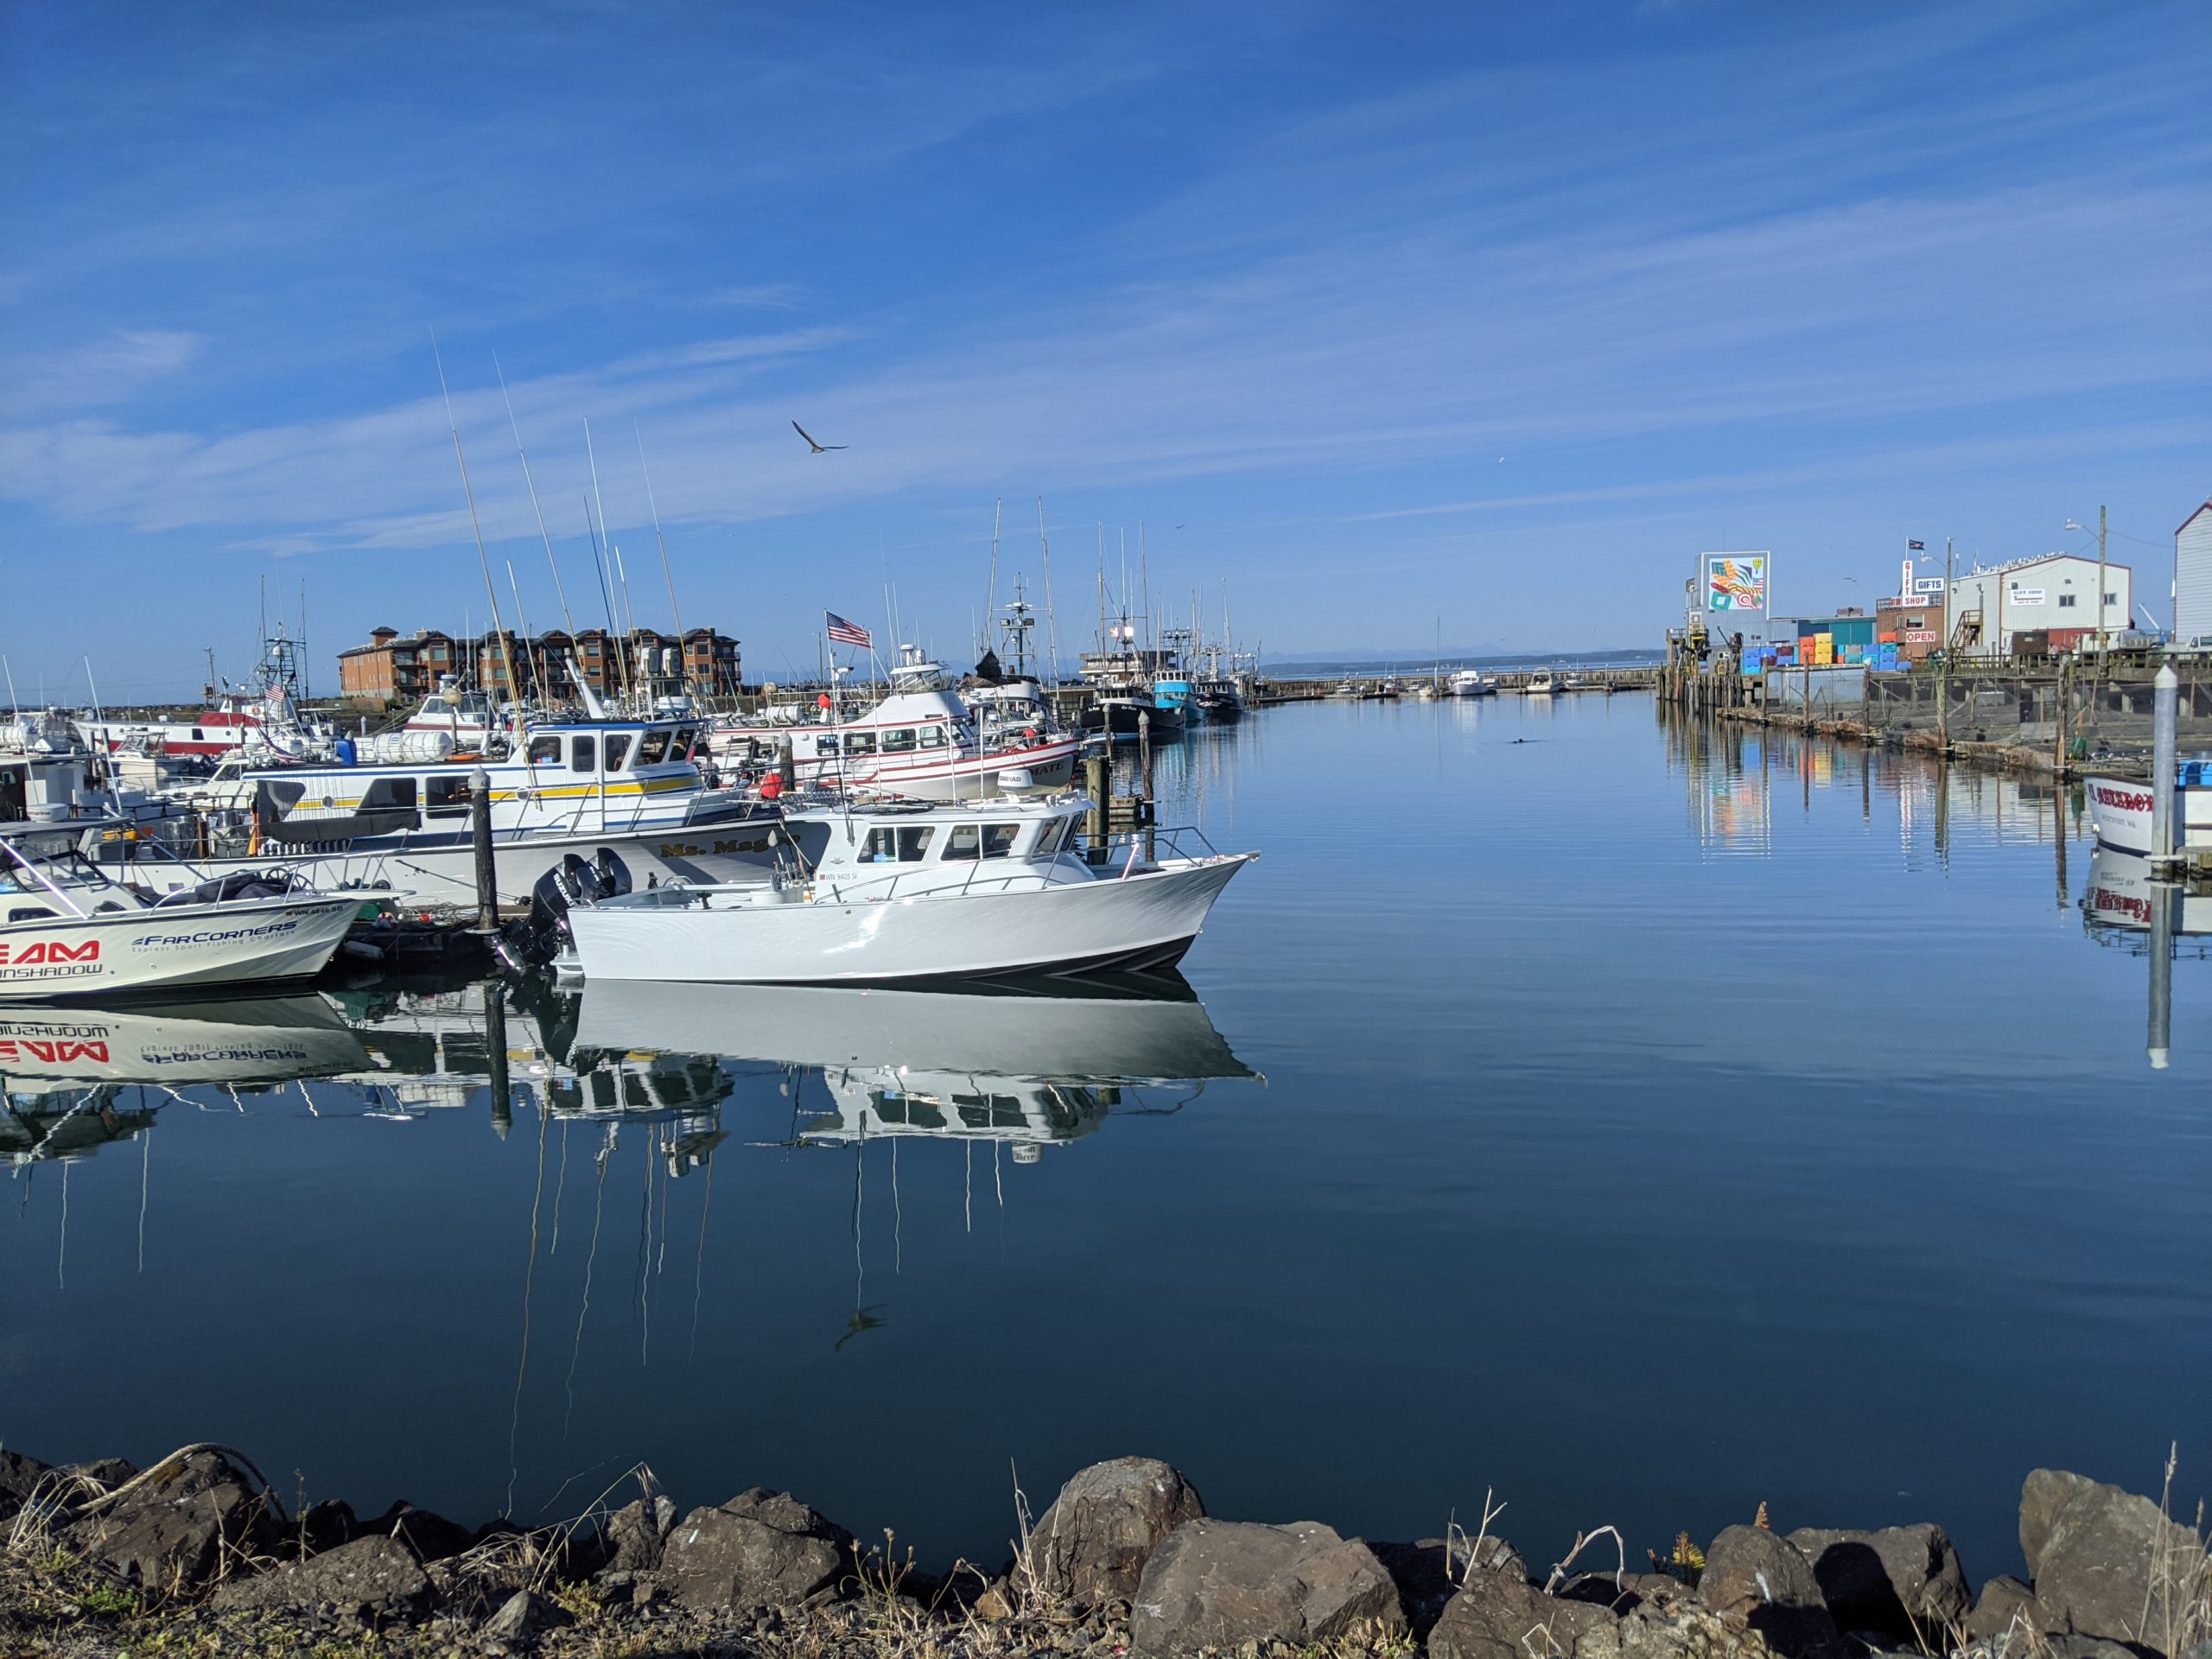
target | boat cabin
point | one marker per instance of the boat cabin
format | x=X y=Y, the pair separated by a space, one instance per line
x=1004 y=831
x=603 y=773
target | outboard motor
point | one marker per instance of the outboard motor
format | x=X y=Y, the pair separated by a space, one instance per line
x=542 y=934
x=580 y=881
x=613 y=874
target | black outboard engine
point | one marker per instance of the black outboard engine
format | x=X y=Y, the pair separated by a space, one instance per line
x=613 y=874
x=542 y=935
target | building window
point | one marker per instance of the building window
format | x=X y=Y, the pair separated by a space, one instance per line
x=2111 y=598
x=2066 y=601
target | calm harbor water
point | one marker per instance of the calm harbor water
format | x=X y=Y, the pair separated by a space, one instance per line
x=1638 y=1121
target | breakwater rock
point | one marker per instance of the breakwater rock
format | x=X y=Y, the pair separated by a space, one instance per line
x=196 y=1553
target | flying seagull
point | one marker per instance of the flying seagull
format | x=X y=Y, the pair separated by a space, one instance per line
x=818 y=448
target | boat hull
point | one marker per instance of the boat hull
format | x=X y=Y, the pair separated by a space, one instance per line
x=1145 y=920
x=175 y=947
x=2121 y=810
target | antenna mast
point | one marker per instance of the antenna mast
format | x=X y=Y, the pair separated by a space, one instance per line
x=1051 y=625
x=683 y=646
x=567 y=621
x=483 y=558
x=600 y=552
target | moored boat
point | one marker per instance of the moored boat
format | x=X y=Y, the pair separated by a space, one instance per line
x=70 y=929
x=404 y=828
x=2120 y=809
x=899 y=893
x=919 y=742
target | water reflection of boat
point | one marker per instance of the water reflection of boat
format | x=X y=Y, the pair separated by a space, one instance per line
x=1137 y=1029
x=1027 y=1065
x=440 y=1049
x=2121 y=899
x=251 y=1041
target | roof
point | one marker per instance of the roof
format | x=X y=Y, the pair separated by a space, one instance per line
x=2194 y=517
x=2030 y=562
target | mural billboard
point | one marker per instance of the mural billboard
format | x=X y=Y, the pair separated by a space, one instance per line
x=1735 y=582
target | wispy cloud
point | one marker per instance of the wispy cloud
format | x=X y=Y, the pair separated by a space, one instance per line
x=107 y=371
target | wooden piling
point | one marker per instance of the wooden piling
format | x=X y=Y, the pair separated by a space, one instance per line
x=479 y=824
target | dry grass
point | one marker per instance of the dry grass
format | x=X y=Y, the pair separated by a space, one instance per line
x=2177 y=1590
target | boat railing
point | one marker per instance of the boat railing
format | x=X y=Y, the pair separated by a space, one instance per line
x=1152 y=843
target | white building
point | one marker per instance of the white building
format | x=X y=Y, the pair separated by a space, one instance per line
x=2054 y=594
x=2193 y=580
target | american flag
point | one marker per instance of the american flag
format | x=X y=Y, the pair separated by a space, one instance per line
x=848 y=633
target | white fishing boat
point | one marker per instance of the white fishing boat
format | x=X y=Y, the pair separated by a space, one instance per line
x=2121 y=810
x=70 y=929
x=1470 y=682
x=404 y=828
x=975 y=888
x=1541 y=684
x=919 y=742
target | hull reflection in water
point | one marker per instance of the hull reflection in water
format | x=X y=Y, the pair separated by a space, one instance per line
x=2160 y=919
x=247 y=1041
x=1027 y=1063
x=63 y=1072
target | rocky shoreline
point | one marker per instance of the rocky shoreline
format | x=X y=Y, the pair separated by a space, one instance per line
x=197 y=1554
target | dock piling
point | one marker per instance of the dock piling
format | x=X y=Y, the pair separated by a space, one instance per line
x=479 y=824
x=2165 y=697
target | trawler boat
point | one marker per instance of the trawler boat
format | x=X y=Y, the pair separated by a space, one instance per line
x=69 y=928
x=898 y=892
x=1471 y=683
x=262 y=720
x=2121 y=810
x=918 y=742
x=405 y=828
x=1219 y=701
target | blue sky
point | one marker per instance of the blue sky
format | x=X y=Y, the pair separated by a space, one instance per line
x=1498 y=315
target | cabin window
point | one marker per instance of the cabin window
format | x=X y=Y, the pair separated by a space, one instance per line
x=544 y=751
x=909 y=1109
x=932 y=737
x=28 y=913
x=583 y=754
x=999 y=839
x=860 y=743
x=826 y=744
x=446 y=798
x=198 y=736
x=618 y=751
x=903 y=844
x=680 y=748
x=898 y=742
x=962 y=842
x=1055 y=838
x=653 y=749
